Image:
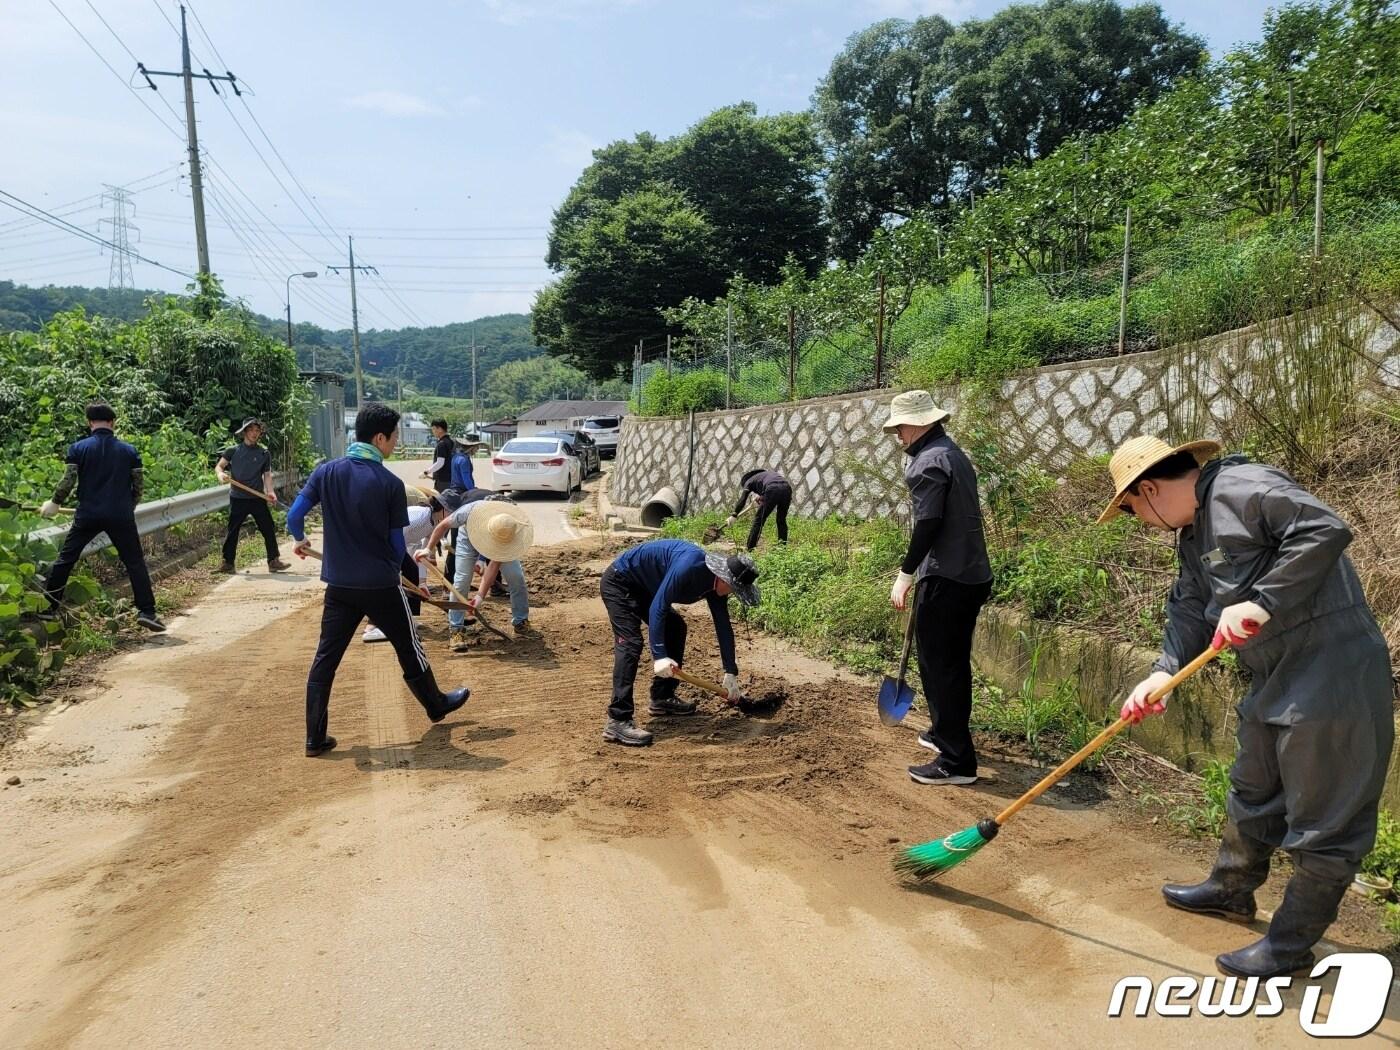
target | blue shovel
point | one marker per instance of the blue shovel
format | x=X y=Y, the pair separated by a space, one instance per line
x=896 y=695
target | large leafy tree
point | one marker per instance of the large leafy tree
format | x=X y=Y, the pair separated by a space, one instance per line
x=918 y=114
x=736 y=194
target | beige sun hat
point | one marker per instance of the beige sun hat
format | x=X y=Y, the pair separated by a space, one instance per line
x=914 y=408
x=417 y=497
x=500 y=531
x=1137 y=455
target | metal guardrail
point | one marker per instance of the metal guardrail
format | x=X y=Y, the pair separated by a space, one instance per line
x=160 y=514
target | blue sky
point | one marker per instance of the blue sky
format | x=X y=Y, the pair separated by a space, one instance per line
x=442 y=135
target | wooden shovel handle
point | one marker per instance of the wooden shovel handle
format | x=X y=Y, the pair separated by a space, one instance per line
x=251 y=491
x=406 y=584
x=701 y=683
x=1108 y=734
x=908 y=632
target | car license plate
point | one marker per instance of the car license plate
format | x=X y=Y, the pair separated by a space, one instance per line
x=526 y=466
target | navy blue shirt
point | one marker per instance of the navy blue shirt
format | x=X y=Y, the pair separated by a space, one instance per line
x=462 y=476
x=670 y=572
x=104 y=475
x=365 y=511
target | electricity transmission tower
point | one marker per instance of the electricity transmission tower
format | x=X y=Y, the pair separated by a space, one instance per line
x=119 y=274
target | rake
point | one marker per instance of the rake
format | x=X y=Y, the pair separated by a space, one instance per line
x=433 y=568
x=931 y=859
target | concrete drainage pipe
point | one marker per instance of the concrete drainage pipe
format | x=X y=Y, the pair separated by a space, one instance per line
x=663 y=504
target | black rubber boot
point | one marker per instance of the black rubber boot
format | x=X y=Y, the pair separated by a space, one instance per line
x=435 y=702
x=1241 y=867
x=1308 y=908
x=318 y=706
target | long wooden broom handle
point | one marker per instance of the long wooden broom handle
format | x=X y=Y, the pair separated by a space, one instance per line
x=1108 y=734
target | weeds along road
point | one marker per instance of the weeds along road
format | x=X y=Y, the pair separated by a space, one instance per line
x=175 y=873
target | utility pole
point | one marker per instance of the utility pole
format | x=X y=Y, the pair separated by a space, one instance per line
x=728 y=352
x=201 y=238
x=1317 y=202
x=355 y=320
x=476 y=413
x=1123 y=287
x=119 y=273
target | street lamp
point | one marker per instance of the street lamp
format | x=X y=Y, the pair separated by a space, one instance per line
x=308 y=273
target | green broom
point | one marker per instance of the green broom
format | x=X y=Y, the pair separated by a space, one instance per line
x=931 y=859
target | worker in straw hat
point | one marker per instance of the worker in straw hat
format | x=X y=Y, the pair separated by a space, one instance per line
x=640 y=586
x=1262 y=568
x=947 y=562
x=500 y=532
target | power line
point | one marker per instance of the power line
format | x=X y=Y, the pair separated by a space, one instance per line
x=35 y=211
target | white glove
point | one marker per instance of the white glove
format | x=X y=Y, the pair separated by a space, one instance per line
x=900 y=590
x=1138 y=706
x=731 y=683
x=665 y=667
x=49 y=509
x=1239 y=623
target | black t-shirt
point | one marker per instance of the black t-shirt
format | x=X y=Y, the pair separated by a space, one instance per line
x=247 y=463
x=442 y=477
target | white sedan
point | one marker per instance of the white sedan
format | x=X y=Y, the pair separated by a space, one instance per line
x=536 y=464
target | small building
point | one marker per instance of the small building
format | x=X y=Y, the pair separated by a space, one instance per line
x=499 y=432
x=327 y=412
x=414 y=431
x=567 y=415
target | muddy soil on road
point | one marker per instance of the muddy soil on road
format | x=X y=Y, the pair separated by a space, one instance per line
x=178 y=874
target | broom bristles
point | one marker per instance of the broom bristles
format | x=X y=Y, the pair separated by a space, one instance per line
x=931 y=859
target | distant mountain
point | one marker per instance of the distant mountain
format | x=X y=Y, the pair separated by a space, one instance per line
x=434 y=360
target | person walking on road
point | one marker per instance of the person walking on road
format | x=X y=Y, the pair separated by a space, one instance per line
x=440 y=469
x=249 y=464
x=773 y=495
x=496 y=529
x=365 y=510
x=1263 y=568
x=640 y=586
x=109 y=478
x=947 y=561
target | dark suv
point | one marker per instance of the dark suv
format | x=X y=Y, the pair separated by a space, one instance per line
x=580 y=445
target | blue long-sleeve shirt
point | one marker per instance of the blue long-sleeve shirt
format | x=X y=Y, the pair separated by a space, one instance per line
x=462 y=476
x=668 y=572
x=365 y=509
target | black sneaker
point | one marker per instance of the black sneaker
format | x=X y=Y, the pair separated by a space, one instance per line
x=228 y=568
x=672 y=705
x=316 y=750
x=625 y=733
x=935 y=774
x=150 y=622
x=927 y=741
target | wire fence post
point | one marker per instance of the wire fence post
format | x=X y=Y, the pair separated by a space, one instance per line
x=728 y=352
x=1317 y=204
x=1123 y=290
x=668 y=357
x=880 y=335
x=792 y=354
x=986 y=295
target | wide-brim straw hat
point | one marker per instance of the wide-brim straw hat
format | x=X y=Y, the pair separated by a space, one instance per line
x=914 y=408
x=500 y=531
x=417 y=497
x=1138 y=455
x=252 y=422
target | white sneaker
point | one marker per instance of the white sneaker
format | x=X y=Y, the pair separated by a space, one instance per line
x=373 y=634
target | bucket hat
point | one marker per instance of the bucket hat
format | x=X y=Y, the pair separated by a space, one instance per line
x=737 y=570
x=251 y=421
x=1138 y=455
x=914 y=408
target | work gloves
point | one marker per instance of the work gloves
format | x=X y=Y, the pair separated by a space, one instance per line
x=1139 y=703
x=49 y=509
x=665 y=668
x=1239 y=623
x=731 y=685
x=900 y=590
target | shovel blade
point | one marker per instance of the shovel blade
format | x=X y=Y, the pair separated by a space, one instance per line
x=895 y=700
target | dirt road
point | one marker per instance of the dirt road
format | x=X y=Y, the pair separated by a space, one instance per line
x=177 y=874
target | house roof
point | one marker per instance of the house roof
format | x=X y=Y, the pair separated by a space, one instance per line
x=568 y=409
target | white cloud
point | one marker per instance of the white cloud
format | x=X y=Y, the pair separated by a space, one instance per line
x=395 y=104
x=573 y=149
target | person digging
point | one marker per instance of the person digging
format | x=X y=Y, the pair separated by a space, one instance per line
x=249 y=464
x=420 y=524
x=365 y=510
x=500 y=532
x=772 y=494
x=1262 y=568
x=947 y=557
x=640 y=586
x=109 y=478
